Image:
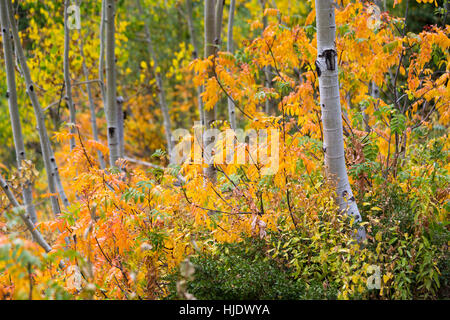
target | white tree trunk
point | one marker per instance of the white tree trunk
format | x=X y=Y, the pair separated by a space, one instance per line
x=14 y=109
x=231 y=106
x=111 y=103
x=219 y=21
x=54 y=181
x=67 y=81
x=37 y=236
x=333 y=145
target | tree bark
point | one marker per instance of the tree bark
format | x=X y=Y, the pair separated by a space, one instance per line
x=219 y=21
x=333 y=145
x=14 y=110
x=269 y=105
x=111 y=103
x=67 y=82
x=231 y=106
x=53 y=178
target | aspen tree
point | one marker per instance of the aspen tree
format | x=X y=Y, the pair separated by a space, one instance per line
x=67 y=82
x=333 y=144
x=14 y=110
x=219 y=22
x=93 y=114
x=53 y=178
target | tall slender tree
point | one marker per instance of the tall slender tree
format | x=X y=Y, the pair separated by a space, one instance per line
x=269 y=105
x=53 y=177
x=111 y=109
x=93 y=113
x=333 y=144
x=67 y=82
x=210 y=47
x=14 y=109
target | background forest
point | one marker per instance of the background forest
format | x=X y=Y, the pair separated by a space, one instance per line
x=94 y=206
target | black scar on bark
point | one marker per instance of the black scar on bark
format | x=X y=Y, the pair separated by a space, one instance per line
x=352 y=198
x=324 y=149
x=344 y=193
x=329 y=55
x=111 y=132
x=7 y=94
x=31 y=88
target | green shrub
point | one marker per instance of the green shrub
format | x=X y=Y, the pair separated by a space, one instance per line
x=240 y=271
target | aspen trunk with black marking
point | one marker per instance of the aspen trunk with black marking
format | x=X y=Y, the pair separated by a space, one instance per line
x=14 y=110
x=159 y=82
x=210 y=47
x=231 y=106
x=333 y=144
x=67 y=82
x=53 y=178
x=219 y=21
x=111 y=111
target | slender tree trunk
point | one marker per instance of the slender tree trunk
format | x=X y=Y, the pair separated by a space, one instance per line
x=94 y=127
x=68 y=84
x=219 y=21
x=111 y=103
x=210 y=47
x=101 y=59
x=54 y=181
x=14 y=110
x=231 y=107
x=195 y=56
x=159 y=82
x=333 y=145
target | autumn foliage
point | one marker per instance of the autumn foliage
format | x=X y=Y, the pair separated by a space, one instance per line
x=128 y=228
